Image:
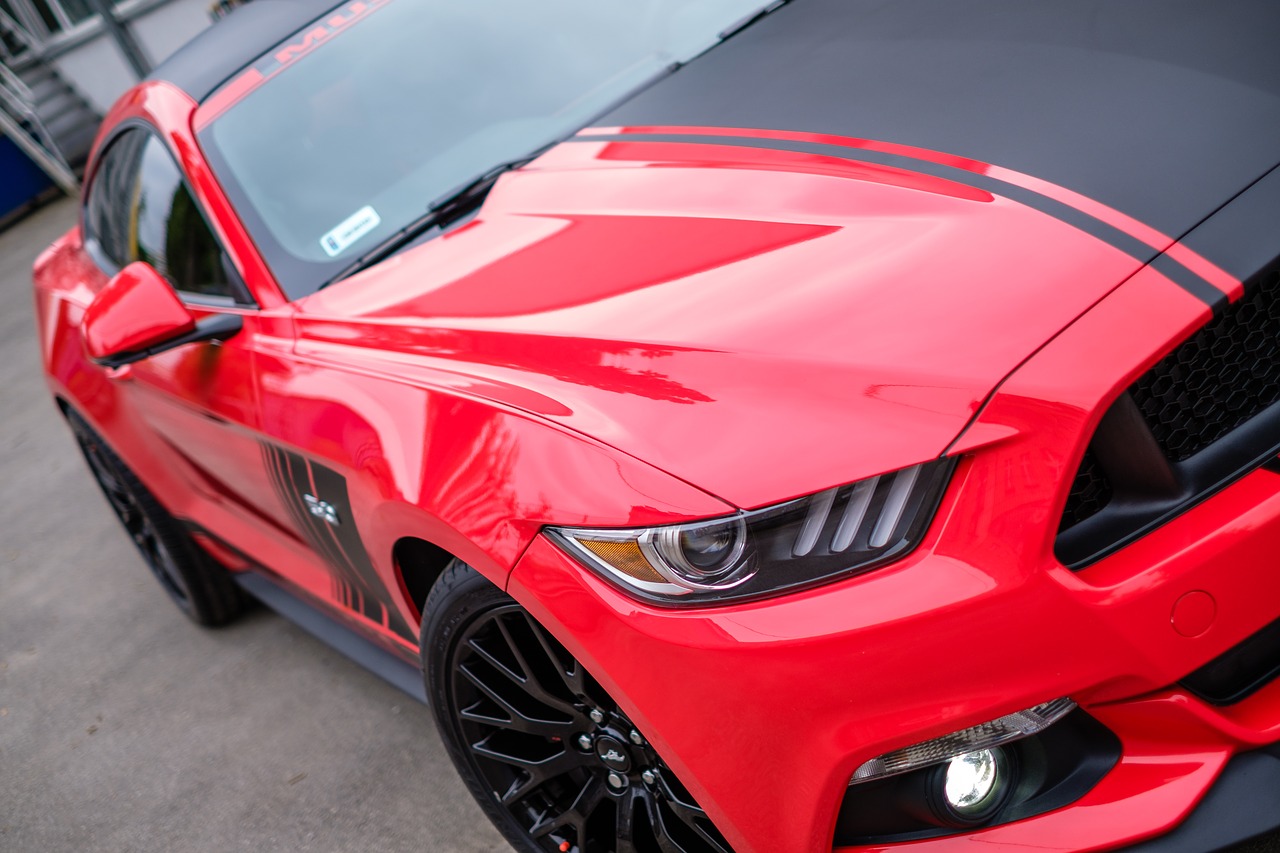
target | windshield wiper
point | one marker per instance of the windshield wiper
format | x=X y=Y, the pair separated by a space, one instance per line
x=735 y=28
x=468 y=194
x=440 y=212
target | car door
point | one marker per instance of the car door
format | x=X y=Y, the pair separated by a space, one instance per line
x=198 y=407
x=191 y=413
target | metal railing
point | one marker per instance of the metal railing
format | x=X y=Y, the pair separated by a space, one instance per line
x=15 y=41
x=20 y=122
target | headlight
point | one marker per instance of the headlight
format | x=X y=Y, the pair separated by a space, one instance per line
x=833 y=533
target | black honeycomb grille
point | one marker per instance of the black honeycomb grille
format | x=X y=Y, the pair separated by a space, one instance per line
x=1207 y=414
x=1222 y=376
x=1090 y=492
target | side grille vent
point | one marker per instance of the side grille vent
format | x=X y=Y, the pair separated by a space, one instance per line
x=1090 y=492
x=1205 y=415
x=1223 y=375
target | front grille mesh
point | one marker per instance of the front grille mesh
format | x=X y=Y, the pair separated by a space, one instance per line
x=1090 y=492
x=1221 y=377
x=1195 y=398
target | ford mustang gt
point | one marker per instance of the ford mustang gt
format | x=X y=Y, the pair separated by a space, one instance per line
x=826 y=424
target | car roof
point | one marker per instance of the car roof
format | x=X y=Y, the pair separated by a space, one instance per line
x=218 y=52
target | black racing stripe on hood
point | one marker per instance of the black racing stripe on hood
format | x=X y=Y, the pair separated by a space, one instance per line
x=1109 y=234
x=1244 y=237
x=1160 y=109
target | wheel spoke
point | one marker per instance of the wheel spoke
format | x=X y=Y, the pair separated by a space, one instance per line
x=546 y=825
x=589 y=798
x=533 y=685
x=677 y=800
x=117 y=494
x=689 y=816
x=517 y=723
x=516 y=678
x=653 y=811
x=533 y=725
x=521 y=787
x=572 y=677
x=577 y=815
x=546 y=768
x=625 y=828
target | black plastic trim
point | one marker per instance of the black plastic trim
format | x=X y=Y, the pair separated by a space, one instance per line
x=1240 y=671
x=1243 y=804
x=215 y=327
x=392 y=669
x=1129 y=518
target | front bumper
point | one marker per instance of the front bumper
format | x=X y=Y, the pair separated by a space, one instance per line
x=765 y=710
x=1244 y=803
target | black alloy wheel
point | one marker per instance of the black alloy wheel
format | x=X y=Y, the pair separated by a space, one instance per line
x=200 y=587
x=549 y=756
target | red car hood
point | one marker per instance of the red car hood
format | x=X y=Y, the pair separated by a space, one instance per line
x=762 y=324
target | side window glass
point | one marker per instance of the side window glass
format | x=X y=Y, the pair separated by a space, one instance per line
x=113 y=198
x=171 y=233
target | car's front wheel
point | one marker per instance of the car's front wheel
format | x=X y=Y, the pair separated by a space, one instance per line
x=201 y=588
x=552 y=760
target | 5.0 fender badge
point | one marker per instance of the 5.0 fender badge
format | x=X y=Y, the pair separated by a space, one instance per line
x=322 y=509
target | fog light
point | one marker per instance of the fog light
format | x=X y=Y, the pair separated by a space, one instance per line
x=976 y=784
x=987 y=736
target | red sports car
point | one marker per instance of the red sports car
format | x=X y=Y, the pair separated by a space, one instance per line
x=778 y=428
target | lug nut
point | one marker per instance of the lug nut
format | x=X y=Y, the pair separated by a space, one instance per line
x=649 y=777
x=636 y=739
x=617 y=781
x=596 y=715
x=584 y=741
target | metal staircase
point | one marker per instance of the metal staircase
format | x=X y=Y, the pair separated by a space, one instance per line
x=40 y=111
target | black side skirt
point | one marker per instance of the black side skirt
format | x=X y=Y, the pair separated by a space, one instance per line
x=396 y=671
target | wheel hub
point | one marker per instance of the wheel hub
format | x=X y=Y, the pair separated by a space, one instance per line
x=613 y=754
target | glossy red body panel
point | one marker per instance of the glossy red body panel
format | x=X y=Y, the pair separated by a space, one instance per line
x=801 y=680
x=135 y=310
x=1140 y=230
x=723 y=332
x=632 y=334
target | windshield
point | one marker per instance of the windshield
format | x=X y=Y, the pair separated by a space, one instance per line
x=370 y=114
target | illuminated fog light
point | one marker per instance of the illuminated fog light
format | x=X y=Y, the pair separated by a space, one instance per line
x=975 y=783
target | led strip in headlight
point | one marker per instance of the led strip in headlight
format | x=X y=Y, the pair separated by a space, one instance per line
x=832 y=533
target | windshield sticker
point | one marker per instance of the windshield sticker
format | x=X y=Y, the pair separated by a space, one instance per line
x=321 y=31
x=350 y=230
x=284 y=55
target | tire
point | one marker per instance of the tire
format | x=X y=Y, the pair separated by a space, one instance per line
x=197 y=584
x=537 y=740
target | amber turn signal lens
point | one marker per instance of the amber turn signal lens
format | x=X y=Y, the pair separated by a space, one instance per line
x=626 y=557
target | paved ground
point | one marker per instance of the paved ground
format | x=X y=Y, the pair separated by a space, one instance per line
x=124 y=727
